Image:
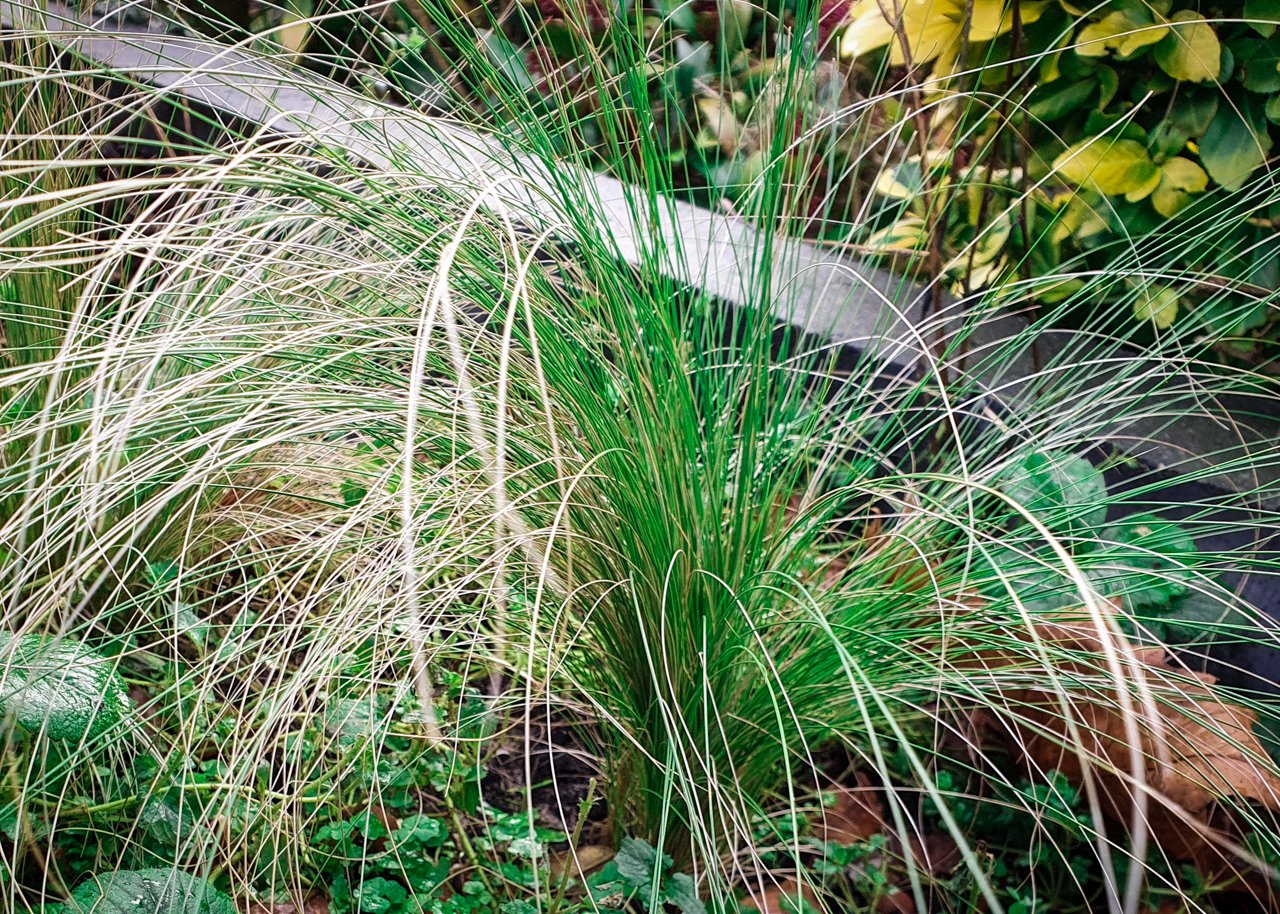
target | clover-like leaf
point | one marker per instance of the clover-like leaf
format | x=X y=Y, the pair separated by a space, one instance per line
x=59 y=687
x=149 y=891
x=378 y=896
x=420 y=830
x=354 y=720
x=1190 y=52
x=1111 y=167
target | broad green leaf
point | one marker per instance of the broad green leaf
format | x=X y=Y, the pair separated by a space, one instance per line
x=1077 y=219
x=1195 y=110
x=1051 y=484
x=991 y=241
x=693 y=66
x=162 y=574
x=150 y=891
x=1159 y=304
x=296 y=25
x=1228 y=65
x=1233 y=148
x=638 y=862
x=1188 y=120
x=1179 y=179
x=720 y=124
x=1111 y=167
x=1060 y=98
x=1145 y=561
x=59 y=687
x=508 y=60
x=1108 y=86
x=9 y=824
x=1258 y=64
x=681 y=892
x=904 y=182
x=1190 y=52
x=1273 y=109
x=1194 y=616
x=1124 y=32
x=1059 y=290
x=1263 y=16
x=163 y=821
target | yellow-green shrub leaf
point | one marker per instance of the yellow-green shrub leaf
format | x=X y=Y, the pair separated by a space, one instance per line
x=1179 y=179
x=1111 y=167
x=1190 y=52
x=907 y=234
x=932 y=28
x=1076 y=219
x=903 y=182
x=1159 y=304
x=866 y=30
x=990 y=243
x=1121 y=32
x=991 y=18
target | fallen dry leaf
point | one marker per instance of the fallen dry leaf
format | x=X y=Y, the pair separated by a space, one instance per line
x=898 y=901
x=1196 y=749
x=781 y=898
x=580 y=862
x=856 y=815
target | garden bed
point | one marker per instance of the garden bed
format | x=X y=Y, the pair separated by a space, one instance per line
x=732 y=571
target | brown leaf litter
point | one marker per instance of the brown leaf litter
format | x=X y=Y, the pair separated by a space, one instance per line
x=1195 y=751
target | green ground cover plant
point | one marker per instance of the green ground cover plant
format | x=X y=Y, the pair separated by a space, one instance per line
x=366 y=551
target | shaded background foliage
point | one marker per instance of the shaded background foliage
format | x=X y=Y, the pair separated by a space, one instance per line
x=983 y=144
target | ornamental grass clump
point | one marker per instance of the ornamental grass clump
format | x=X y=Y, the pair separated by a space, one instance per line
x=350 y=482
